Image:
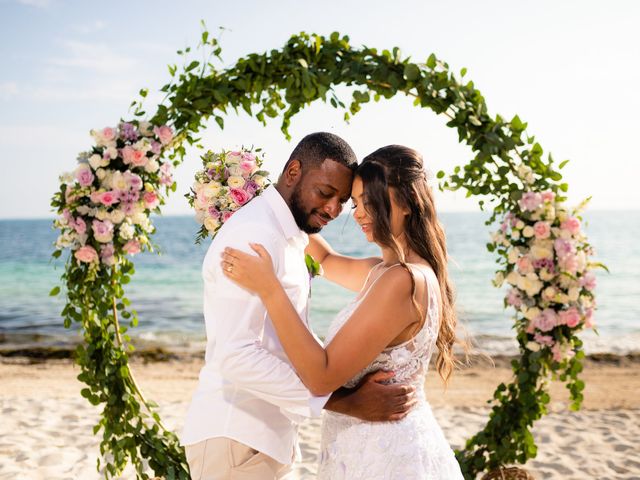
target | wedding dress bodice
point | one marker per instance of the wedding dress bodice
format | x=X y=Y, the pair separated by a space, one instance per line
x=411 y=448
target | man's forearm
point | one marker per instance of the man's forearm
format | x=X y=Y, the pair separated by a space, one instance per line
x=339 y=401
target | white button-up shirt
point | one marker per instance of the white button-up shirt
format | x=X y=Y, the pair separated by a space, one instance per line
x=248 y=391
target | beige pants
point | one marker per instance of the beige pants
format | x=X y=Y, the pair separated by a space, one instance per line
x=226 y=459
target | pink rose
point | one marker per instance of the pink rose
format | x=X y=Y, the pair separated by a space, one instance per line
x=86 y=254
x=588 y=281
x=132 y=247
x=546 y=340
x=239 y=196
x=514 y=298
x=109 y=198
x=84 y=175
x=542 y=230
x=109 y=134
x=569 y=264
x=107 y=254
x=548 y=196
x=131 y=156
x=571 y=225
x=164 y=133
x=151 y=200
x=547 y=320
x=80 y=226
x=214 y=213
x=226 y=215
x=588 y=318
x=563 y=247
x=102 y=231
x=134 y=181
x=570 y=318
x=524 y=265
x=247 y=166
x=530 y=201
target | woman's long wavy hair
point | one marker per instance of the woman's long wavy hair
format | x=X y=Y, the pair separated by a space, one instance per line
x=401 y=169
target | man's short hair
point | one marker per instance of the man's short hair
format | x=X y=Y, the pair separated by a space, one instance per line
x=317 y=147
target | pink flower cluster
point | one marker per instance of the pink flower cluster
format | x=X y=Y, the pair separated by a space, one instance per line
x=546 y=263
x=227 y=182
x=106 y=202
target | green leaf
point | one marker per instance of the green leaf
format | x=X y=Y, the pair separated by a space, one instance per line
x=54 y=291
x=411 y=72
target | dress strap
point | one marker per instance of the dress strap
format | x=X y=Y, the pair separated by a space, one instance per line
x=364 y=293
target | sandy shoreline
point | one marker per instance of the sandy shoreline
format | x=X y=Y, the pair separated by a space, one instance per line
x=46 y=426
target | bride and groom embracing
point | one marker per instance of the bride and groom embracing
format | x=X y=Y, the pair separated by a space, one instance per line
x=265 y=371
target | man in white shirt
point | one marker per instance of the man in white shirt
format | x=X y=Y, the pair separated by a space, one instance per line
x=242 y=421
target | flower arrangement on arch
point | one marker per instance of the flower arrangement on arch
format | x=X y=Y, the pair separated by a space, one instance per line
x=228 y=180
x=105 y=203
x=546 y=263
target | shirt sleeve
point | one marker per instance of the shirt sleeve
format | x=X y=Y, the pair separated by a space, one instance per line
x=239 y=327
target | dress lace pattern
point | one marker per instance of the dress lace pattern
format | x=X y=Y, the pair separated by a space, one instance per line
x=412 y=448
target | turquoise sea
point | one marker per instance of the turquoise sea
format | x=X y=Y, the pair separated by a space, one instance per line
x=167 y=288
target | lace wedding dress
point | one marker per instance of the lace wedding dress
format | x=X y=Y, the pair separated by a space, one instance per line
x=411 y=448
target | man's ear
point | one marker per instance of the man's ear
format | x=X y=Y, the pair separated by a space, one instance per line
x=293 y=173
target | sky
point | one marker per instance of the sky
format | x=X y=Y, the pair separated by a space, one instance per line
x=570 y=69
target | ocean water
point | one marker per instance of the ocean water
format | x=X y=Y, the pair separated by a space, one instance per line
x=167 y=288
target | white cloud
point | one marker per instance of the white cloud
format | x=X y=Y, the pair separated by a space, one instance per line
x=8 y=90
x=90 y=27
x=36 y=3
x=93 y=56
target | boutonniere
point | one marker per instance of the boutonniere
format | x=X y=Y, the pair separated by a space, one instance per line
x=314 y=269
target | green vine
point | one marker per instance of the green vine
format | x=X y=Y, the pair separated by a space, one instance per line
x=280 y=83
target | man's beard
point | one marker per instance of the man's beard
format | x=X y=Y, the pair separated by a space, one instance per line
x=300 y=216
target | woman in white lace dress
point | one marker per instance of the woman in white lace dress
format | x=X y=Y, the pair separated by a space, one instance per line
x=404 y=312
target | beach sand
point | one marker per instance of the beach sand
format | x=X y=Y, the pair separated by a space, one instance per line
x=46 y=427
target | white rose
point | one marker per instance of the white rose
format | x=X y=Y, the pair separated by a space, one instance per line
x=532 y=313
x=118 y=181
x=212 y=189
x=143 y=145
x=550 y=213
x=235 y=181
x=95 y=161
x=512 y=278
x=497 y=237
x=546 y=275
x=235 y=171
x=145 y=128
x=260 y=180
x=533 y=346
x=541 y=250
x=499 y=279
x=562 y=298
x=116 y=217
x=233 y=158
x=200 y=216
x=152 y=166
x=101 y=173
x=513 y=255
x=515 y=234
x=138 y=218
x=211 y=224
x=574 y=294
x=127 y=231
x=530 y=284
x=549 y=293
x=102 y=214
x=528 y=231
x=66 y=178
x=112 y=152
x=519 y=224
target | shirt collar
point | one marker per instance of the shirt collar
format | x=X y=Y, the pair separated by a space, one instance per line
x=283 y=215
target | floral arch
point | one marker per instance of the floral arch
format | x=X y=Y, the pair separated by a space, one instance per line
x=105 y=205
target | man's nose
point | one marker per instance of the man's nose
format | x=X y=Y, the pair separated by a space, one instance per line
x=333 y=207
